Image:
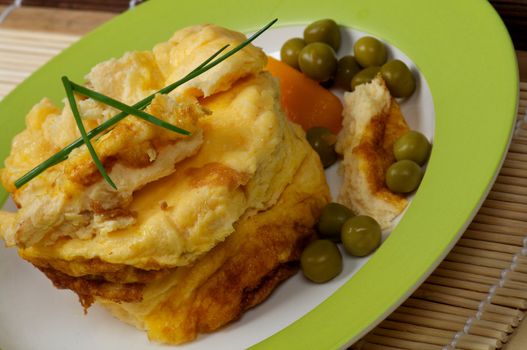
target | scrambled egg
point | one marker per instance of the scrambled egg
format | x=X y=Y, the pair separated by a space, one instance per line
x=372 y=123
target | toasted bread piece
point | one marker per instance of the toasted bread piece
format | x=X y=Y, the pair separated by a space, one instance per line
x=372 y=123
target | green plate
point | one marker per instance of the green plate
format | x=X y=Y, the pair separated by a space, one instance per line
x=466 y=56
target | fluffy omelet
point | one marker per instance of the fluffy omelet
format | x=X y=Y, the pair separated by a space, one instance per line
x=248 y=157
x=203 y=224
x=234 y=276
x=372 y=123
x=71 y=199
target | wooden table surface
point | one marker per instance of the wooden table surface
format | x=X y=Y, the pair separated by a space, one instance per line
x=78 y=22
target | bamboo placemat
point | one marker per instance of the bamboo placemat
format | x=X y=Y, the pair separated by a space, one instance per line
x=472 y=301
x=22 y=52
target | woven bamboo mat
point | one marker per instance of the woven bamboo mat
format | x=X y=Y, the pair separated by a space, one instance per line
x=472 y=301
x=22 y=52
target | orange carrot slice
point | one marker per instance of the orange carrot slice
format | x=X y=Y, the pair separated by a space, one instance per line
x=304 y=101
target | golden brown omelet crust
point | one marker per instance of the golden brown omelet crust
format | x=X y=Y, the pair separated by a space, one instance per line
x=376 y=149
x=97 y=269
x=129 y=288
x=87 y=289
x=372 y=123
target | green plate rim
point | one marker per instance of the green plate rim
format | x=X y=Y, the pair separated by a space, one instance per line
x=463 y=50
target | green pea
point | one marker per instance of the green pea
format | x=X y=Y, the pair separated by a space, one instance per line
x=361 y=235
x=403 y=176
x=321 y=261
x=364 y=76
x=331 y=219
x=324 y=31
x=317 y=61
x=290 y=51
x=399 y=80
x=323 y=142
x=370 y=52
x=412 y=146
x=347 y=68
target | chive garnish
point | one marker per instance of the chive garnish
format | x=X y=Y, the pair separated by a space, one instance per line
x=87 y=142
x=202 y=68
x=63 y=154
x=126 y=108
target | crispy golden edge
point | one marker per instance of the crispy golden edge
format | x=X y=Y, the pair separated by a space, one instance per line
x=245 y=280
x=97 y=269
x=88 y=289
x=256 y=295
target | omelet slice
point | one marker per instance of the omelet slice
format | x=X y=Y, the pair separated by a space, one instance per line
x=372 y=123
x=235 y=275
